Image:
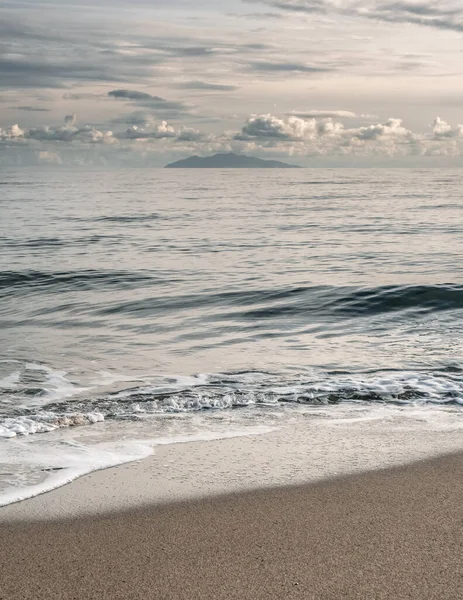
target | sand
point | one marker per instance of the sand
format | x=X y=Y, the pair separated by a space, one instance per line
x=387 y=534
x=298 y=452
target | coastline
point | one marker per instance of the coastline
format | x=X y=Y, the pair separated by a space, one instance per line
x=387 y=534
x=300 y=451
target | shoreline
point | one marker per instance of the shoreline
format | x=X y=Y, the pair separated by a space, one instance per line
x=299 y=452
x=388 y=534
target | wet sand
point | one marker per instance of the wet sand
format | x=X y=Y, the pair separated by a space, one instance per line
x=391 y=534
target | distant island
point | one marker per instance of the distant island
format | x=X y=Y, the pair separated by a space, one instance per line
x=228 y=161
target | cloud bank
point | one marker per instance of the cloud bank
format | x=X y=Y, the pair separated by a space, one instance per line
x=261 y=135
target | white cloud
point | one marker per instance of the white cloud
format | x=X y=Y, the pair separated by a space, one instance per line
x=163 y=130
x=261 y=134
x=270 y=126
x=329 y=137
x=392 y=128
x=441 y=129
x=13 y=132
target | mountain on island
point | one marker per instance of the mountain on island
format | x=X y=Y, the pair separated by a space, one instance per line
x=228 y=161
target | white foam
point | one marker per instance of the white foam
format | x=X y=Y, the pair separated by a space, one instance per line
x=44 y=422
x=249 y=388
x=41 y=466
x=61 y=464
x=55 y=388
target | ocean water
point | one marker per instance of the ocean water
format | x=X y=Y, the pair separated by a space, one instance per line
x=139 y=307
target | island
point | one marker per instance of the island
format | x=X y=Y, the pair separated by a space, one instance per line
x=228 y=161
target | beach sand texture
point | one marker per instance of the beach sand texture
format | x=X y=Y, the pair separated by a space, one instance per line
x=390 y=534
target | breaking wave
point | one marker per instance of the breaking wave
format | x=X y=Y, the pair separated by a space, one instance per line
x=61 y=404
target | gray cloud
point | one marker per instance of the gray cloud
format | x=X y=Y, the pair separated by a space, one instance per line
x=140 y=118
x=81 y=96
x=47 y=51
x=441 y=15
x=34 y=73
x=259 y=15
x=134 y=95
x=203 y=85
x=28 y=108
x=160 y=106
x=47 y=72
x=285 y=67
x=194 y=51
x=70 y=120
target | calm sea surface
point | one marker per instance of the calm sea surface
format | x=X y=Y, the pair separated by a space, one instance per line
x=138 y=298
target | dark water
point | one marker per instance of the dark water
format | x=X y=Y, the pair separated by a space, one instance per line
x=119 y=289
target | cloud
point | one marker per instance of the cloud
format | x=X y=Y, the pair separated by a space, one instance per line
x=261 y=134
x=86 y=134
x=61 y=133
x=141 y=118
x=49 y=158
x=13 y=132
x=392 y=127
x=27 y=108
x=325 y=114
x=203 y=85
x=258 y=15
x=81 y=96
x=70 y=120
x=444 y=14
x=188 y=134
x=161 y=106
x=134 y=95
x=46 y=50
x=29 y=72
x=441 y=129
x=287 y=128
x=163 y=130
x=285 y=67
x=194 y=47
x=328 y=137
x=194 y=51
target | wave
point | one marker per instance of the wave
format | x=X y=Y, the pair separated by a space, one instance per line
x=65 y=406
x=129 y=218
x=298 y=303
x=67 y=280
x=323 y=302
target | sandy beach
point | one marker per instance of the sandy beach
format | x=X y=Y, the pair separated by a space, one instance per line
x=392 y=534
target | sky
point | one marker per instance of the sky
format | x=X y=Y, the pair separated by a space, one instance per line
x=312 y=82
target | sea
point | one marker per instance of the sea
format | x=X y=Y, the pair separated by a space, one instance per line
x=140 y=307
